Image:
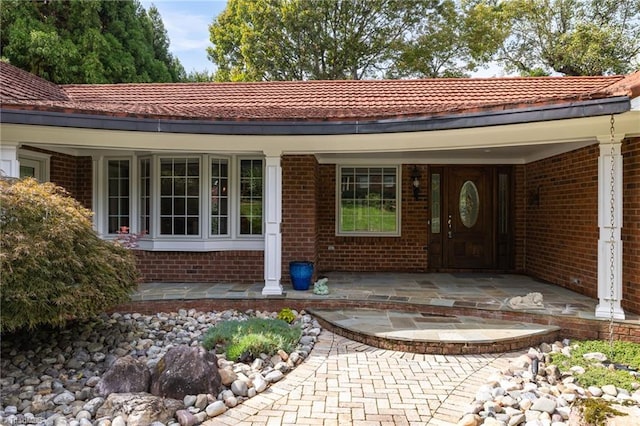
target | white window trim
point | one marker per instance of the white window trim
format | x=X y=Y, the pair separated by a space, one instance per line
x=153 y=241
x=40 y=161
x=338 y=203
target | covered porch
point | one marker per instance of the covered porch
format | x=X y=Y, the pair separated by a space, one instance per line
x=415 y=312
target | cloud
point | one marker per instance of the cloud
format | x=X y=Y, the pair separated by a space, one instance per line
x=187 y=22
x=187 y=31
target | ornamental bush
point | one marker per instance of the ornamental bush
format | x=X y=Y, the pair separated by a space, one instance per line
x=53 y=265
x=245 y=340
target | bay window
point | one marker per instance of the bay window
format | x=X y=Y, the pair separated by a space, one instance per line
x=184 y=201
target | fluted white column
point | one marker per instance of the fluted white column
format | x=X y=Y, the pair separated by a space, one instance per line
x=610 y=224
x=273 y=220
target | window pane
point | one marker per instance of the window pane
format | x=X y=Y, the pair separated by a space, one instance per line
x=179 y=207
x=251 y=197
x=165 y=225
x=368 y=200
x=179 y=212
x=435 y=203
x=145 y=195
x=219 y=196
x=193 y=206
x=118 y=195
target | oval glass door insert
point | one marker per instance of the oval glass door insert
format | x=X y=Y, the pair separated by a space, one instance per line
x=469 y=204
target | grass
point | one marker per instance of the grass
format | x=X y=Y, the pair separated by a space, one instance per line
x=624 y=353
x=246 y=340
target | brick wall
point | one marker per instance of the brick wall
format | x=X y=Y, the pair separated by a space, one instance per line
x=299 y=211
x=404 y=253
x=562 y=228
x=74 y=174
x=221 y=266
x=631 y=225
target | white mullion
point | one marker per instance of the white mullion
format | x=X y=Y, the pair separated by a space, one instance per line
x=133 y=195
x=234 y=193
x=98 y=194
x=154 y=203
x=205 y=196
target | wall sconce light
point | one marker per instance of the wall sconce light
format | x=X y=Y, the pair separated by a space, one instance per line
x=415 y=182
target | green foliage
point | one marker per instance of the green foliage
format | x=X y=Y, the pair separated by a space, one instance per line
x=439 y=47
x=247 y=339
x=596 y=411
x=287 y=315
x=87 y=41
x=624 y=353
x=54 y=267
x=571 y=37
x=599 y=376
x=258 y=40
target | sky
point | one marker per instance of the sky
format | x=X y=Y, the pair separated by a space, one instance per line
x=187 y=24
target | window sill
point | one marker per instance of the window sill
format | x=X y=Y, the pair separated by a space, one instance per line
x=201 y=245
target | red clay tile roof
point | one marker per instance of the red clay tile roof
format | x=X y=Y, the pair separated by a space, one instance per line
x=315 y=100
x=19 y=85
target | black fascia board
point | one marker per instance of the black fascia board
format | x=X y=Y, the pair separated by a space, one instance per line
x=581 y=109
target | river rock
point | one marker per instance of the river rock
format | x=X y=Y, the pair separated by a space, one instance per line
x=141 y=409
x=186 y=370
x=126 y=375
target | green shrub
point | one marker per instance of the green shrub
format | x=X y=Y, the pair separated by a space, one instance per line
x=246 y=340
x=53 y=266
x=287 y=315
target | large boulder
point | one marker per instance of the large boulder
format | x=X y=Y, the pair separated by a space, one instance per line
x=126 y=375
x=186 y=370
x=139 y=409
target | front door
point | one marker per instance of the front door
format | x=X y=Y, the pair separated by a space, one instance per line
x=469 y=212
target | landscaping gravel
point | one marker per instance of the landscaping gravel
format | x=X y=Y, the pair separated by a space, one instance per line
x=50 y=376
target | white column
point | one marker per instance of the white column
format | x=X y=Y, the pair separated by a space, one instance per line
x=9 y=164
x=273 y=220
x=610 y=224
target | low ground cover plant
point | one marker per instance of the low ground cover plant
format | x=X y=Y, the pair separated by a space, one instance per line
x=245 y=340
x=53 y=265
x=625 y=356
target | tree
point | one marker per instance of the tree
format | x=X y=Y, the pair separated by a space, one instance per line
x=299 y=39
x=54 y=266
x=571 y=37
x=87 y=41
x=439 y=47
x=161 y=45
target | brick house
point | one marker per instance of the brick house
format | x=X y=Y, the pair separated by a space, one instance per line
x=232 y=181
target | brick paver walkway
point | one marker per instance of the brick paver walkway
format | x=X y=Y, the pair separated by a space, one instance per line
x=348 y=383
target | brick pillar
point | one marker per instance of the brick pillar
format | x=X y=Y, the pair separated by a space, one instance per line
x=300 y=211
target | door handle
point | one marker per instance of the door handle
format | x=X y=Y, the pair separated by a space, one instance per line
x=450 y=232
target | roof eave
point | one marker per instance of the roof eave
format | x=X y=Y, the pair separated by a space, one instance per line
x=560 y=111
